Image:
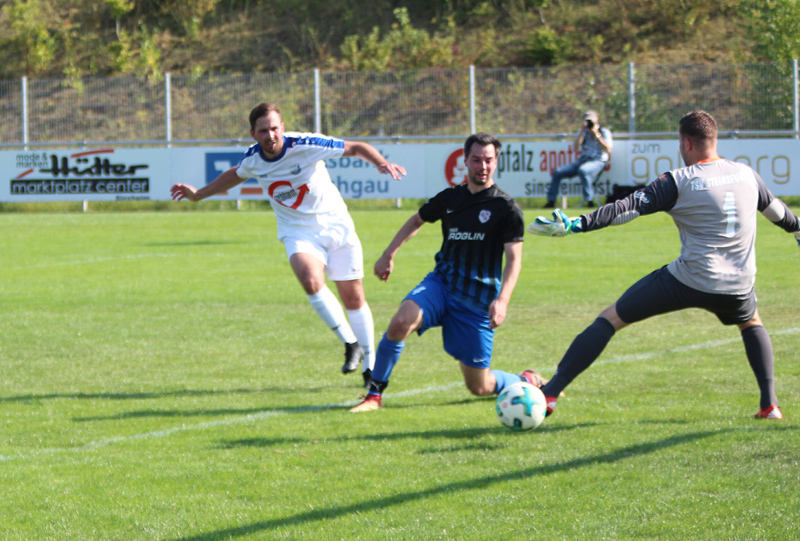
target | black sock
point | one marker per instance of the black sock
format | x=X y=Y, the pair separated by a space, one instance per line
x=586 y=347
x=377 y=387
x=758 y=347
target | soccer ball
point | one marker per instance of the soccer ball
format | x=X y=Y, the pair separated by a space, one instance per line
x=521 y=406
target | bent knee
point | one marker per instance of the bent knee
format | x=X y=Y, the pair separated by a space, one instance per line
x=400 y=328
x=479 y=389
x=407 y=319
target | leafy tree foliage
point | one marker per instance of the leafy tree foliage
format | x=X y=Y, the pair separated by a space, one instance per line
x=775 y=24
x=29 y=37
x=403 y=47
x=76 y=38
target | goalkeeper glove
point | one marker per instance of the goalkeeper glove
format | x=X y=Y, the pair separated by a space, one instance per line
x=797 y=237
x=560 y=226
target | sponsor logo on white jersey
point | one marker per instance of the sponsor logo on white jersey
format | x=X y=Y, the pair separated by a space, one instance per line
x=280 y=197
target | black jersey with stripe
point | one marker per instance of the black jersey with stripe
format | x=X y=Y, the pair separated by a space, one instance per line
x=475 y=228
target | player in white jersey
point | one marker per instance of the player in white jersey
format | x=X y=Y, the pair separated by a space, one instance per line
x=714 y=202
x=313 y=222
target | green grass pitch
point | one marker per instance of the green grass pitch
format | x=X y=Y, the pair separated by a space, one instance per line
x=162 y=376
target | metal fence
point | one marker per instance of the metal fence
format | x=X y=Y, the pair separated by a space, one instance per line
x=752 y=99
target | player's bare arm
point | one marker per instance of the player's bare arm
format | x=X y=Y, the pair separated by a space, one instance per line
x=227 y=180
x=370 y=154
x=498 y=308
x=385 y=264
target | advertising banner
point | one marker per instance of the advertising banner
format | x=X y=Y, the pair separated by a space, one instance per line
x=524 y=168
x=103 y=174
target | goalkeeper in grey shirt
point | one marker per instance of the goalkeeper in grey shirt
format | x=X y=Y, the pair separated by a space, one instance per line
x=713 y=202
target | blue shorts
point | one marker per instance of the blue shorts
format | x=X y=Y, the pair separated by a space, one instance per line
x=465 y=333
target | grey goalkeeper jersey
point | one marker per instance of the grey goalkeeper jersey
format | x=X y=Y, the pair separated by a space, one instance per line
x=714 y=205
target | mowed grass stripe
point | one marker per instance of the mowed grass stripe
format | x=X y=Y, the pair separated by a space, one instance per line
x=163 y=377
x=389 y=395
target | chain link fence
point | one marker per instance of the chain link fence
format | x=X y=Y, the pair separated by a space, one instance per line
x=419 y=104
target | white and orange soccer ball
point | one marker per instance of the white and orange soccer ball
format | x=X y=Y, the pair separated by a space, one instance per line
x=521 y=406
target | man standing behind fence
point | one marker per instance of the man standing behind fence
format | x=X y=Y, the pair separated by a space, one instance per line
x=594 y=144
x=313 y=222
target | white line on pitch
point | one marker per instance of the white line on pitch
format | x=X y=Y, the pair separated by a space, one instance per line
x=267 y=414
x=706 y=345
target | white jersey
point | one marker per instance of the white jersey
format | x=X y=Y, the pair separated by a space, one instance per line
x=297 y=182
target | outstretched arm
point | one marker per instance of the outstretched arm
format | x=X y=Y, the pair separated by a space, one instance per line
x=497 y=310
x=776 y=210
x=778 y=213
x=370 y=154
x=222 y=183
x=660 y=195
x=385 y=264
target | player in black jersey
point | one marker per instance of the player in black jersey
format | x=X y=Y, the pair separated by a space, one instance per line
x=468 y=291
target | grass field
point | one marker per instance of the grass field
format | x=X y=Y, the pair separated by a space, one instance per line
x=163 y=377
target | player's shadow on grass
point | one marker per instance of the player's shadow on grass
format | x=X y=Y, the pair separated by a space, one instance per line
x=455 y=434
x=327 y=513
x=138 y=395
x=145 y=414
x=141 y=414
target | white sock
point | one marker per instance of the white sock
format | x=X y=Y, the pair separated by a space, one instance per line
x=364 y=329
x=327 y=307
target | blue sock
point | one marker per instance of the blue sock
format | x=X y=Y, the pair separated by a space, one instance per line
x=504 y=379
x=386 y=357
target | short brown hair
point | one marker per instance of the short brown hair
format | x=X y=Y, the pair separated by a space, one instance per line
x=698 y=126
x=262 y=109
x=483 y=139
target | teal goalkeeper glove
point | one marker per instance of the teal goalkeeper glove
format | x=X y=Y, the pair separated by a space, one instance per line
x=560 y=226
x=797 y=237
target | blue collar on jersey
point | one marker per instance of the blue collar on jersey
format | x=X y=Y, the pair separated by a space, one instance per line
x=276 y=158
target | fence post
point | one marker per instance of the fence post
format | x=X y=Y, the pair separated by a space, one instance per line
x=631 y=98
x=472 y=126
x=795 y=101
x=24 y=88
x=168 y=108
x=317 y=104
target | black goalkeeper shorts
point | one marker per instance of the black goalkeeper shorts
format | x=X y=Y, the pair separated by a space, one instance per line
x=660 y=292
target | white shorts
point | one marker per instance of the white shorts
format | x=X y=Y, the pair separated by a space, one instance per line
x=336 y=244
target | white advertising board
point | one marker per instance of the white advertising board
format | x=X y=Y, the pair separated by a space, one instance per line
x=101 y=174
x=114 y=174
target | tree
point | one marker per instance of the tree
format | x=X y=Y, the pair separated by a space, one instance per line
x=30 y=35
x=403 y=47
x=118 y=9
x=775 y=25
